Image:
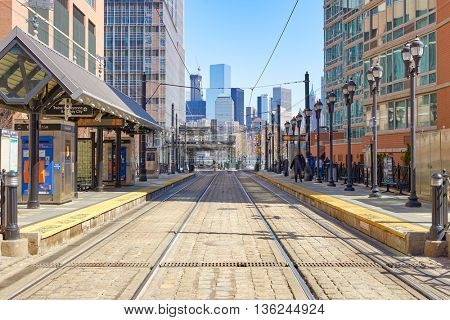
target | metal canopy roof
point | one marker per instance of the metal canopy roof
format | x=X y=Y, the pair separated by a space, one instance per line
x=28 y=65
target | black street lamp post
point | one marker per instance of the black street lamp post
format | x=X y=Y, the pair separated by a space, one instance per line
x=374 y=75
x=266 y=145
x=412 y=54
x=272 y=118
x=349 y=91
x=287 y=125
x=298 y=120
x=270 y=135
x=331 y=100
x=308 y=173
x=318 y=108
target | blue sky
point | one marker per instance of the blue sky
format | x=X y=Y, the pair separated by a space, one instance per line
x=242 y=34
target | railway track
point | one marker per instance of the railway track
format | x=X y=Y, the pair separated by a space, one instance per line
x=376 y=260
x=72 y=261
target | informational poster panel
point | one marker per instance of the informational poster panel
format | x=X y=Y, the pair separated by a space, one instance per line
x=388 y=176
x=45 y=165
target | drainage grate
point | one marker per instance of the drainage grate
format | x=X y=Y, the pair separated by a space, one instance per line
x=95 y=265
x=337 y=265
x=412 y=265
x=222 y=264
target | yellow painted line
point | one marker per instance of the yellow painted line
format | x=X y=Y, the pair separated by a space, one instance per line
x=390 y=224
x=55 y=225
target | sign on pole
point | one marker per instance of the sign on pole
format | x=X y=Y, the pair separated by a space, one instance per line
x=388 y=175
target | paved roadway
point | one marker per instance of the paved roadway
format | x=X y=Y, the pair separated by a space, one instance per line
x=222 y=251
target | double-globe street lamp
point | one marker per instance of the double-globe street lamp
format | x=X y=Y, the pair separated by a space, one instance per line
x=331 y=100
x=318 y=108
x=374 y=75
x=348 y=90
x=412 y=54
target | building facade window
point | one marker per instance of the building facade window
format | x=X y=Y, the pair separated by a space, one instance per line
x=79 y=36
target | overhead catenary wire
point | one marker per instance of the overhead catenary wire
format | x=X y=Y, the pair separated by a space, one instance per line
x=274 y=50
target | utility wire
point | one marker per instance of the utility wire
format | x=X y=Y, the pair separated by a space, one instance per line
x=274 y=49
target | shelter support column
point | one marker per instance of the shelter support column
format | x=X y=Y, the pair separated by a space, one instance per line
x=118 y=163
x=99 y=160
x=75 y=162
x=33 y=142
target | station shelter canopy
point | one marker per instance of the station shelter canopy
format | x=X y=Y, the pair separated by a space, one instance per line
x=35 y=77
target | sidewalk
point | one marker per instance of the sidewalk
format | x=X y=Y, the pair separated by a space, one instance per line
x=386 y=219
x=53 y=224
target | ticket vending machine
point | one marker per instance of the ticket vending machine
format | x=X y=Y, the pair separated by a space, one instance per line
x=56 y=161
x=152 y=164
x=128 y=160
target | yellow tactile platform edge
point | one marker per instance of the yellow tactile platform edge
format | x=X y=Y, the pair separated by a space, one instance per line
x=390 y=224
x=55 y=225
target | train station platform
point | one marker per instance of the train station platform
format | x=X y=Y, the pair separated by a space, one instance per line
x=53 y=224
x=386 y=220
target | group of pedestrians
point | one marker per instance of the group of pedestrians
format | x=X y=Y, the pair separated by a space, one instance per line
x=298 y=164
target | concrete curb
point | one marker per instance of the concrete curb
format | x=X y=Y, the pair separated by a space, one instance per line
x=402 y=236
x=47 y=234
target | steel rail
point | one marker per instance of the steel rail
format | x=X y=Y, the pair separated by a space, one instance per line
x=427 y=294
x=149 y=277
x=280 y=247
x=67 y=261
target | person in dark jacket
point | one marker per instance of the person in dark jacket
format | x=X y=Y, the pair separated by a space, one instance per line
x=297 y=166
x=286 y=167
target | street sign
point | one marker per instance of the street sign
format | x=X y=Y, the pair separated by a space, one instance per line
x=78 y=111
x=104 y=122
x=293 y=138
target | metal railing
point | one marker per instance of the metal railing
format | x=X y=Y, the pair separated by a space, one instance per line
x=363 y=175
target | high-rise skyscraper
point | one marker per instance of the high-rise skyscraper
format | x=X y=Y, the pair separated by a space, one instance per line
x=196 y=82
x=238 y=98
x=196 y=107
x=248 y=116
x=224 y=109
x=219 y=83
x=137 y=41
x=282 y=97
x=263 y=107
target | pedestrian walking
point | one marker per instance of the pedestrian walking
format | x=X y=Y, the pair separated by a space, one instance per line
x=297 y=166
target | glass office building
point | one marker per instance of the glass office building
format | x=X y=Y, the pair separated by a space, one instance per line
x=238 y=98
x=137 y=41
x=219 y=83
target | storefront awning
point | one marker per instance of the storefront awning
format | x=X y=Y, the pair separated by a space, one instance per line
x=29 y=69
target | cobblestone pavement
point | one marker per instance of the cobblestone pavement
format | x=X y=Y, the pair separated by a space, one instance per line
x=141 y=242
x=224 y=252
x=224 y=229
x=331 y=267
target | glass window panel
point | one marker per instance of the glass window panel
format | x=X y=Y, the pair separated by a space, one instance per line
x=399 y=10
x=421 y=7
x=389 y=64
x=389 y=16
x=390 y=115
x=423 y=111
x=424 y=62
x=431 y=5
x=432 y=51
x=400 y=114
x=410 y=10
x=433 y=109
x=399 y=67
x=374 y=31
x=382 y=18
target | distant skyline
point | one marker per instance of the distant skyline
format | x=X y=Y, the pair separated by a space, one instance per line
x=253 y=27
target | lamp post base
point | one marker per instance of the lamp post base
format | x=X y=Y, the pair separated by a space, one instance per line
x=318 y=181
x=413 y=202
x=349 y=187
x=331 y=184
x=375 y=194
